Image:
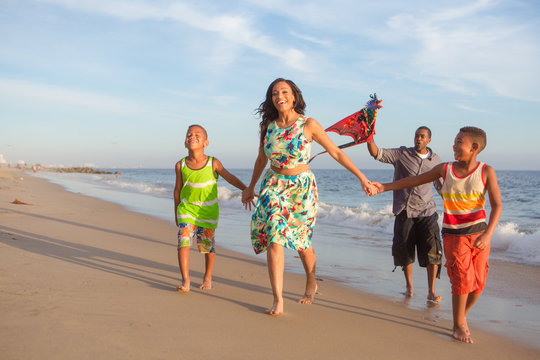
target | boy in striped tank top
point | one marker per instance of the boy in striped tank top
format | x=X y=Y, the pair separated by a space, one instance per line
x=196 y=207
x=466 y=235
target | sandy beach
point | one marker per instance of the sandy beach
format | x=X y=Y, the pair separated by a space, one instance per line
x=83 y=278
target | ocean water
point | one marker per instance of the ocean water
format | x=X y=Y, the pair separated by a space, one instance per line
x=353 y=236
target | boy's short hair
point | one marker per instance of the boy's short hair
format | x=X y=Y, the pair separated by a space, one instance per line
x=425 y=128
x=478 y=135
x=199 y=126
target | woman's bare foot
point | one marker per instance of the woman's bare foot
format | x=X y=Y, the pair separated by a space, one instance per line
x=206 y=285
x=434 y=298
x=462 y=333
x=276 y=309
x=309 y=295
x=184 y=287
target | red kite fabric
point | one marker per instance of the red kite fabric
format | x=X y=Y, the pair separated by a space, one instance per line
x=360 y=125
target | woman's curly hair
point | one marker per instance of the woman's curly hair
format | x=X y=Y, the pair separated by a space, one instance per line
x=268 y=112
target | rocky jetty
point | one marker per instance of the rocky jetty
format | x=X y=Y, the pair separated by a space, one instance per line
x=84 y=170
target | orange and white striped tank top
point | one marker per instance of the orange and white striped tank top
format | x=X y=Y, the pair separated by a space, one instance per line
x=464 y=199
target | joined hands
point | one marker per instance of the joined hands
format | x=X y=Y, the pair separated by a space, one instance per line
x=373 y=188
x=247 y=198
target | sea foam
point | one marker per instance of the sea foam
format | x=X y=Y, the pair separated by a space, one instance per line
x=516 y=245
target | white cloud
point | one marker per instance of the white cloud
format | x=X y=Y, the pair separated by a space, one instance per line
x=475 y=110
x=472 y=46
x=311 y=39
x=462 y=46
x=236 y=28
x=458 y=13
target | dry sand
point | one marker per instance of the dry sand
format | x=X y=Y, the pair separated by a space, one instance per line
x=81 y=278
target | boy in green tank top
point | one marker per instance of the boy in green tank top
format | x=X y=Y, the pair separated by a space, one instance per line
x=196 y=207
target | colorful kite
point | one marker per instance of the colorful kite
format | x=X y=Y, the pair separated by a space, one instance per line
x=360 y=125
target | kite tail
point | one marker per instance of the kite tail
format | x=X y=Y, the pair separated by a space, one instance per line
x=343 y=146
x=310 y=160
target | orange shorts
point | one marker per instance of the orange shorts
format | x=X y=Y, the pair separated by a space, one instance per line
x=466 y=265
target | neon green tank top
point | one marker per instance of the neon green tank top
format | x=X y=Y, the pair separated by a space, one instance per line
x=199 y=196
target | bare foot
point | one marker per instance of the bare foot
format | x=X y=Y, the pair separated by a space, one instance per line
x=462 y=333
x=464 y=327
x=184 y=287
x=434 y=298
x=276 y=309
x=408 y=292
x=206 y=285
x=309 y=295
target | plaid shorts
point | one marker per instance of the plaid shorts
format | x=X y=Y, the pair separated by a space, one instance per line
x=205 y=237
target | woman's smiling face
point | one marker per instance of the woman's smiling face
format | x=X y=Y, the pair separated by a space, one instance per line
x=283 y=97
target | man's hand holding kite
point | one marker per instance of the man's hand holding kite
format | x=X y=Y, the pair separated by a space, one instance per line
x=360 y=125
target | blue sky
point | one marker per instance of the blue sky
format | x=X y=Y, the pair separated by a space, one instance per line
x=116 y=83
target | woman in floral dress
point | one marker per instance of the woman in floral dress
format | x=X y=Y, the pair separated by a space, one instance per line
x=286 y=209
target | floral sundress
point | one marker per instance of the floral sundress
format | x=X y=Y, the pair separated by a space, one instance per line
x=287 y=205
